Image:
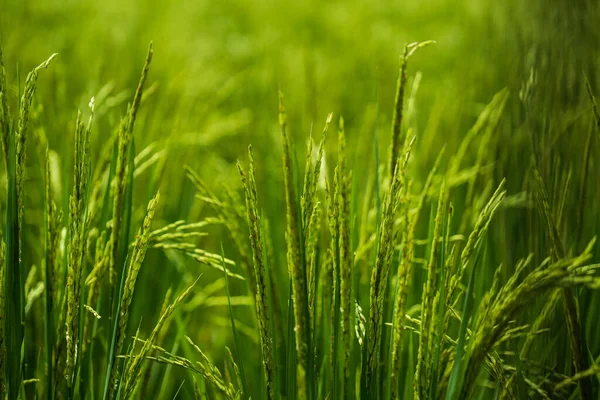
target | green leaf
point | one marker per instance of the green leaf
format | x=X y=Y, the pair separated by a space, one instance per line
x=235 y=335
x=291 y=354
x=13 y=328
x=461 y=357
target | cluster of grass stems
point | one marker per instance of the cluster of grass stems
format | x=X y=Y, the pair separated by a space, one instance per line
x=361 y=307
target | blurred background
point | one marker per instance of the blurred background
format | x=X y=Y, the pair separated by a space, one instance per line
x=213 y=91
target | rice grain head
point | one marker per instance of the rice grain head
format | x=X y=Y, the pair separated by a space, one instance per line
x=261 y=300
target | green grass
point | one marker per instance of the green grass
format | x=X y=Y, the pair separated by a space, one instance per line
x=294 y=230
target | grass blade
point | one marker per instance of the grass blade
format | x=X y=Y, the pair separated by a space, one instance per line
x=461 y=357
x=235 y=335
x=13 y=324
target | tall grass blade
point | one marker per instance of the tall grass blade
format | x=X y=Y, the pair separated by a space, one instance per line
x=461 y=357
x=244 y=387
x=13 y=324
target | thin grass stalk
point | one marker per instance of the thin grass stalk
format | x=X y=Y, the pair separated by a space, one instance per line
x=262 y=301
x=454 y=375
x=485 y=146
x=312 y=241
x=498 y=101
x=403 y=277
x=76 y=249
x=387 y=242
x=273 y=278
x=334 y=279
x=594 y=104
x=2 y=318
x=13 y=328
x=21 y=136
x=476 y=237
x=586 y=163
x=136 y=259
x=311 y=213
x=118 y=186
x=52 y=233
x=119 y=181
x=345 y=254
x=295 y=261
x=5 y=121
x=311 y=177
x=93 y=283
x=228 y=215
x=240 y=373
x=398 y=138
x=509 y=300
x=146 y=373
x=135 y=367
x=593 y=370
x=571 y=307
x=423 y=369
x=441 y=325
x=13 y=290
x=204 y=367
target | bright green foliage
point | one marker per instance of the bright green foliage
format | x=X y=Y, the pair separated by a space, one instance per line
x=462 y=263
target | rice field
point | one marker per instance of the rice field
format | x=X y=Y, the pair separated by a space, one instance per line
x=269 y=200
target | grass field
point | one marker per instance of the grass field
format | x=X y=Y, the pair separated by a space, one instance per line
x=300 y=200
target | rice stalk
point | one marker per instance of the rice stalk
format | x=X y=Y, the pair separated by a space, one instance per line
x=52 y=243
x=5 y=121
x=117 y=244
x=311 y=177
x=119 y=181
x=93 y=282
x=78 y=226
x=296 y=265
x=262 y=301
x=334 y=277
x=403 y=278
x=205 y=367
x=135 y=367
x=236 y=369
x=398 y=138
x=477 y=235
x=2 y=317
x=388 y=233
x=228 y=216
x=311 y=212
x=571 y=306
x=566 y=272
x=591 y=371
x=345 y=253
x=485 y=146
x=428 y=306
x=312 y=241
x=594 y=104
x=21 y=134
x=14 y=143
x=240 y=376
x=494 y=107
x=138 y=253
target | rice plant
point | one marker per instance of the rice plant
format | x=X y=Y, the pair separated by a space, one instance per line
x=141 y=258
